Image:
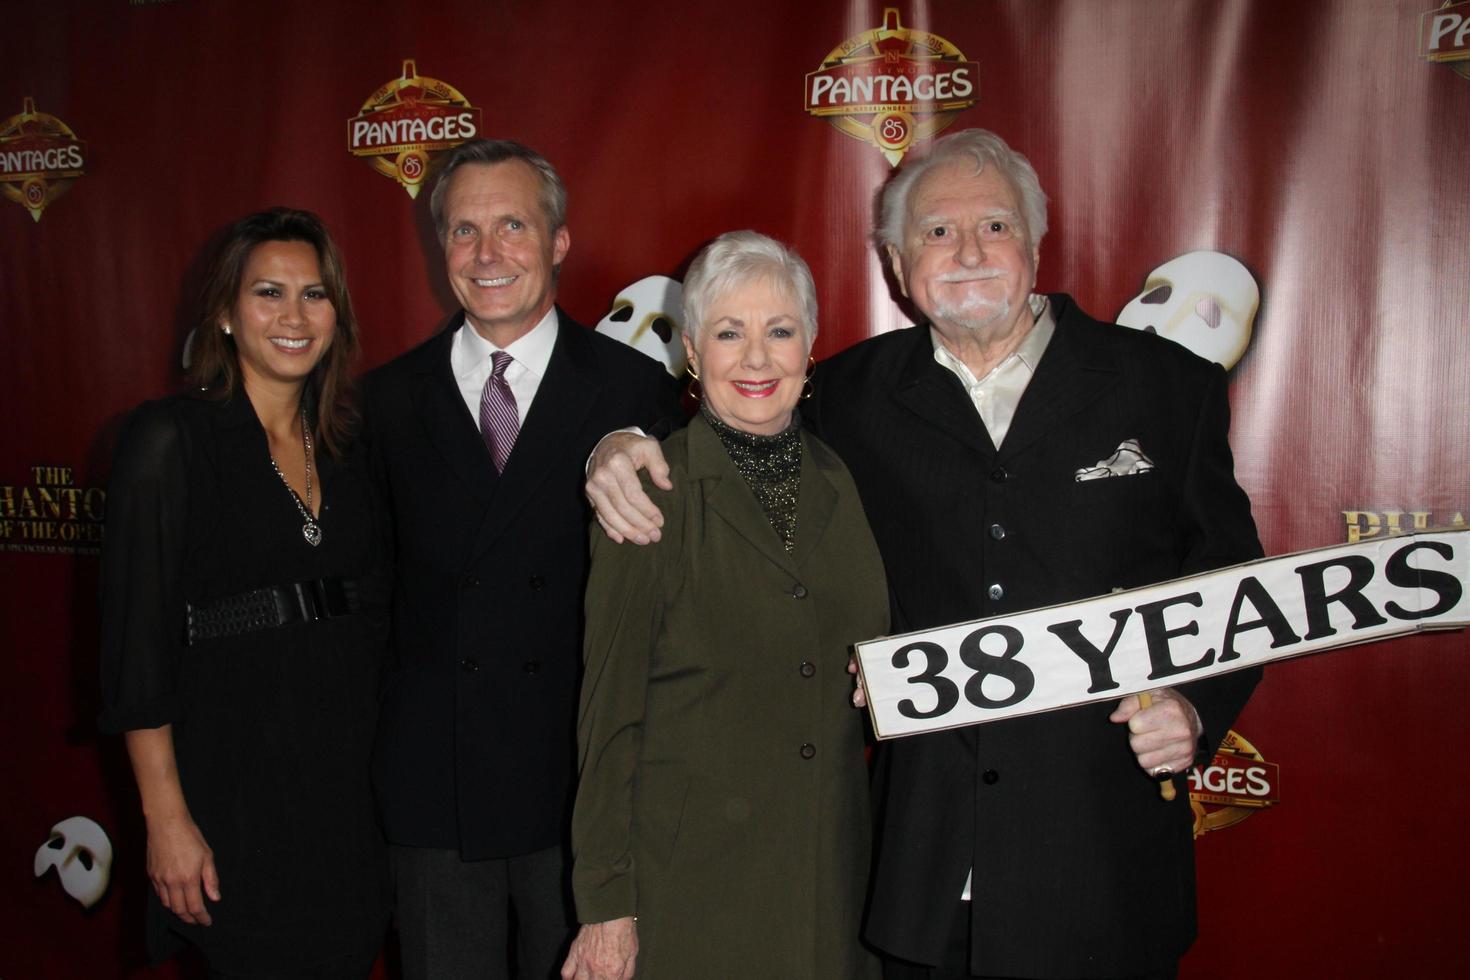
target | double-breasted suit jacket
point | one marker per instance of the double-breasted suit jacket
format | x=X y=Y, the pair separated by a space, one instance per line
x=723 y=795
x=476 y=739
x=1080 y=869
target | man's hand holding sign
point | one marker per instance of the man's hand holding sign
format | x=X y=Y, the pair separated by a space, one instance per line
x=1164 y=736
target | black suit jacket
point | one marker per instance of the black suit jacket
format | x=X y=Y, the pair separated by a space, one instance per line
x=476 y=742
x=1080 y=869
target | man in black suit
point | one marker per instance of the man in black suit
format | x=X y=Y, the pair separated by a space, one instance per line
x=478 y=437
x=1039 y=846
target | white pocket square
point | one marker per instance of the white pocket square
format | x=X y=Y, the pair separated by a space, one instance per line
x=1127 y=460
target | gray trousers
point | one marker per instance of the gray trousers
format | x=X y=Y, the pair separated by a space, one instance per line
x=454 y=916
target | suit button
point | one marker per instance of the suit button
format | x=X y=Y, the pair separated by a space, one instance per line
x=808 y=750
x=995 y=591
x=470 y=582
x=997 y=532
x=807 y=668
x=531 y=666
x=468 y=666
x=999 y=475
x=990 y=777
x=798 y=592
x=537 y=583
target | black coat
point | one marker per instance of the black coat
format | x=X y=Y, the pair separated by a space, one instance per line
x=476 y=744
x=1080 y=869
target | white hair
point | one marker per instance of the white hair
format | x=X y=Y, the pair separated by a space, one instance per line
x=983 y=148
x=739 y=258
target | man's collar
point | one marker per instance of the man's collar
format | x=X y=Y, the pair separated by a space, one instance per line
x=470 y=351
x=1031 y=349
x=1032 y=346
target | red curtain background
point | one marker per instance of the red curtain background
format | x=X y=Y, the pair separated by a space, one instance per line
x=1308 y=140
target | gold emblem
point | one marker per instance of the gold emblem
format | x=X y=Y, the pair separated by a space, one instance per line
x=52 y=514
x=40 y=157
x=1236 y=783
x=403 y=124
x=1362 y=524
x=890 y=86
x=1444 y=36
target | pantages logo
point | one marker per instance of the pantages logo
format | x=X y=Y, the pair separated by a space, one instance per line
x=40 y=157
x=405 y=122
x=1444 y=36
x=890 y=86
x=1236 y=783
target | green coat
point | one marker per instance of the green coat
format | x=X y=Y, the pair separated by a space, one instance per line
x=723 y=791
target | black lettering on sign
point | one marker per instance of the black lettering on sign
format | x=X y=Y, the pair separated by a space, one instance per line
x=1268 y=614
x=1005 y=665
x=1314 y=593
x=1157 y=634
x=1399 y=572
x=1095 y=659
x=945 y=693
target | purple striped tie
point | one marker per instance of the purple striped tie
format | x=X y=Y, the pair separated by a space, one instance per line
x=499 y=421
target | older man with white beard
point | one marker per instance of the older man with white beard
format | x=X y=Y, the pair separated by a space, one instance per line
x=1038 y=846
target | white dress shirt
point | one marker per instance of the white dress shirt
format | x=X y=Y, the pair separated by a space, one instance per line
x=996 y=395
x=469 y=359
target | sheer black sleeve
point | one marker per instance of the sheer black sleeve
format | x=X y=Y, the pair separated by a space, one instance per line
x=142 y=555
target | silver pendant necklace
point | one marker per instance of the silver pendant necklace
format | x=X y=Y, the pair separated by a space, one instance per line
x=311 y=530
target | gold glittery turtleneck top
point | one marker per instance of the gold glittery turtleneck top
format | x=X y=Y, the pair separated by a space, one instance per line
x=771 y=466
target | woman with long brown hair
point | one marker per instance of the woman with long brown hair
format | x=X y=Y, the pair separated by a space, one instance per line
x=242 y=595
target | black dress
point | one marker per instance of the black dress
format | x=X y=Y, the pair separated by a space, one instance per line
x=272 y=729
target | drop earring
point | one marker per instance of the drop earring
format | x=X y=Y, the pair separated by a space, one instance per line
x=696 y=390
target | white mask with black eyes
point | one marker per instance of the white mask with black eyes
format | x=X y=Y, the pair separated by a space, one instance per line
x=1204 y=300
x=82 y=855
x=645 y=316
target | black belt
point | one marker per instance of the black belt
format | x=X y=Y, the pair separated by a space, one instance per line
x=270 y=607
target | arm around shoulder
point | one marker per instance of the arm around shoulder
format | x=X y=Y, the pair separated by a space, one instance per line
x=620 y=500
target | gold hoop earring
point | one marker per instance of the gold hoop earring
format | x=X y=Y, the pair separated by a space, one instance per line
x=806 y=386
x=696 y=390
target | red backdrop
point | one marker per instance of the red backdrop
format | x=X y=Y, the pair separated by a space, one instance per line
x=1311 y=141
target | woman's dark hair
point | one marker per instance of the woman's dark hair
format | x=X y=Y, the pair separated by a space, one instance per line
x=215 y=362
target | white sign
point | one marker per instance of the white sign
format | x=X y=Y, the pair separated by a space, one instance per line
x=1162 y=635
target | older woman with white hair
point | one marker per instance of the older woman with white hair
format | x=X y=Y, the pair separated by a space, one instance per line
x=721 y=822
